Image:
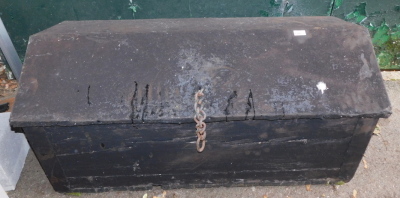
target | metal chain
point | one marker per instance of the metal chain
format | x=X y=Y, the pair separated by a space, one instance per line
x=199 y=118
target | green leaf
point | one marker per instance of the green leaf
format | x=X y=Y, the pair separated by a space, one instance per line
x=133 y=8
x=359 y=14
x=340 y=183
x=74 y=194
x=338 y=3
x=381 y=35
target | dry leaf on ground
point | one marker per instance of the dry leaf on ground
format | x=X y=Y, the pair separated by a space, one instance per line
x=377 y=130
x=308 y=187
x=365 y=163
x=354 y=194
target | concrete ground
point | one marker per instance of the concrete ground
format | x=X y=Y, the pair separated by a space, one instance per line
x=378 y=175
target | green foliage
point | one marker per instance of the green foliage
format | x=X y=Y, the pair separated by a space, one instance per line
x=359 y=14
x=386 y=41
x=334 y=5
x=340 y=183
x=381 y=35
x=337 y=5
x=384 y=59
x=134 y=7
x=74 y=194
x=263 y=13
x=390 y=58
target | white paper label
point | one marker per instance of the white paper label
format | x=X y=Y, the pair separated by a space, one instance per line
x=299 y=32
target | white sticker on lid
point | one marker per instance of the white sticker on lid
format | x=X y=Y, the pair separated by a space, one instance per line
x=322 y=87
x=299 y=32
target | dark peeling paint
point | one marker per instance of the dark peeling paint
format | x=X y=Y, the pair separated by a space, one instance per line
x=335 y=4
x=88 y=96
x=250 y=106
x=230 y=103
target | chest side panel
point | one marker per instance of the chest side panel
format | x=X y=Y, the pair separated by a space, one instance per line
x=259 y=151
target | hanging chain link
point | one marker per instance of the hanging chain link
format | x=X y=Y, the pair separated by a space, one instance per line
x=199 y=118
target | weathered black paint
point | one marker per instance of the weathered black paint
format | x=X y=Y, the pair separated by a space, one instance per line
x=238 y=153
x=131 y=126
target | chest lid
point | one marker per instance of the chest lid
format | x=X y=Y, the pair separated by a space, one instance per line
x=147 y=71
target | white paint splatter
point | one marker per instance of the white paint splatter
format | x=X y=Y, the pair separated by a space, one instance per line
x=322 y=87
x=299 y=32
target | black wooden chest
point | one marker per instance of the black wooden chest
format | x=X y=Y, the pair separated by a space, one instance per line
x=109 y=105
